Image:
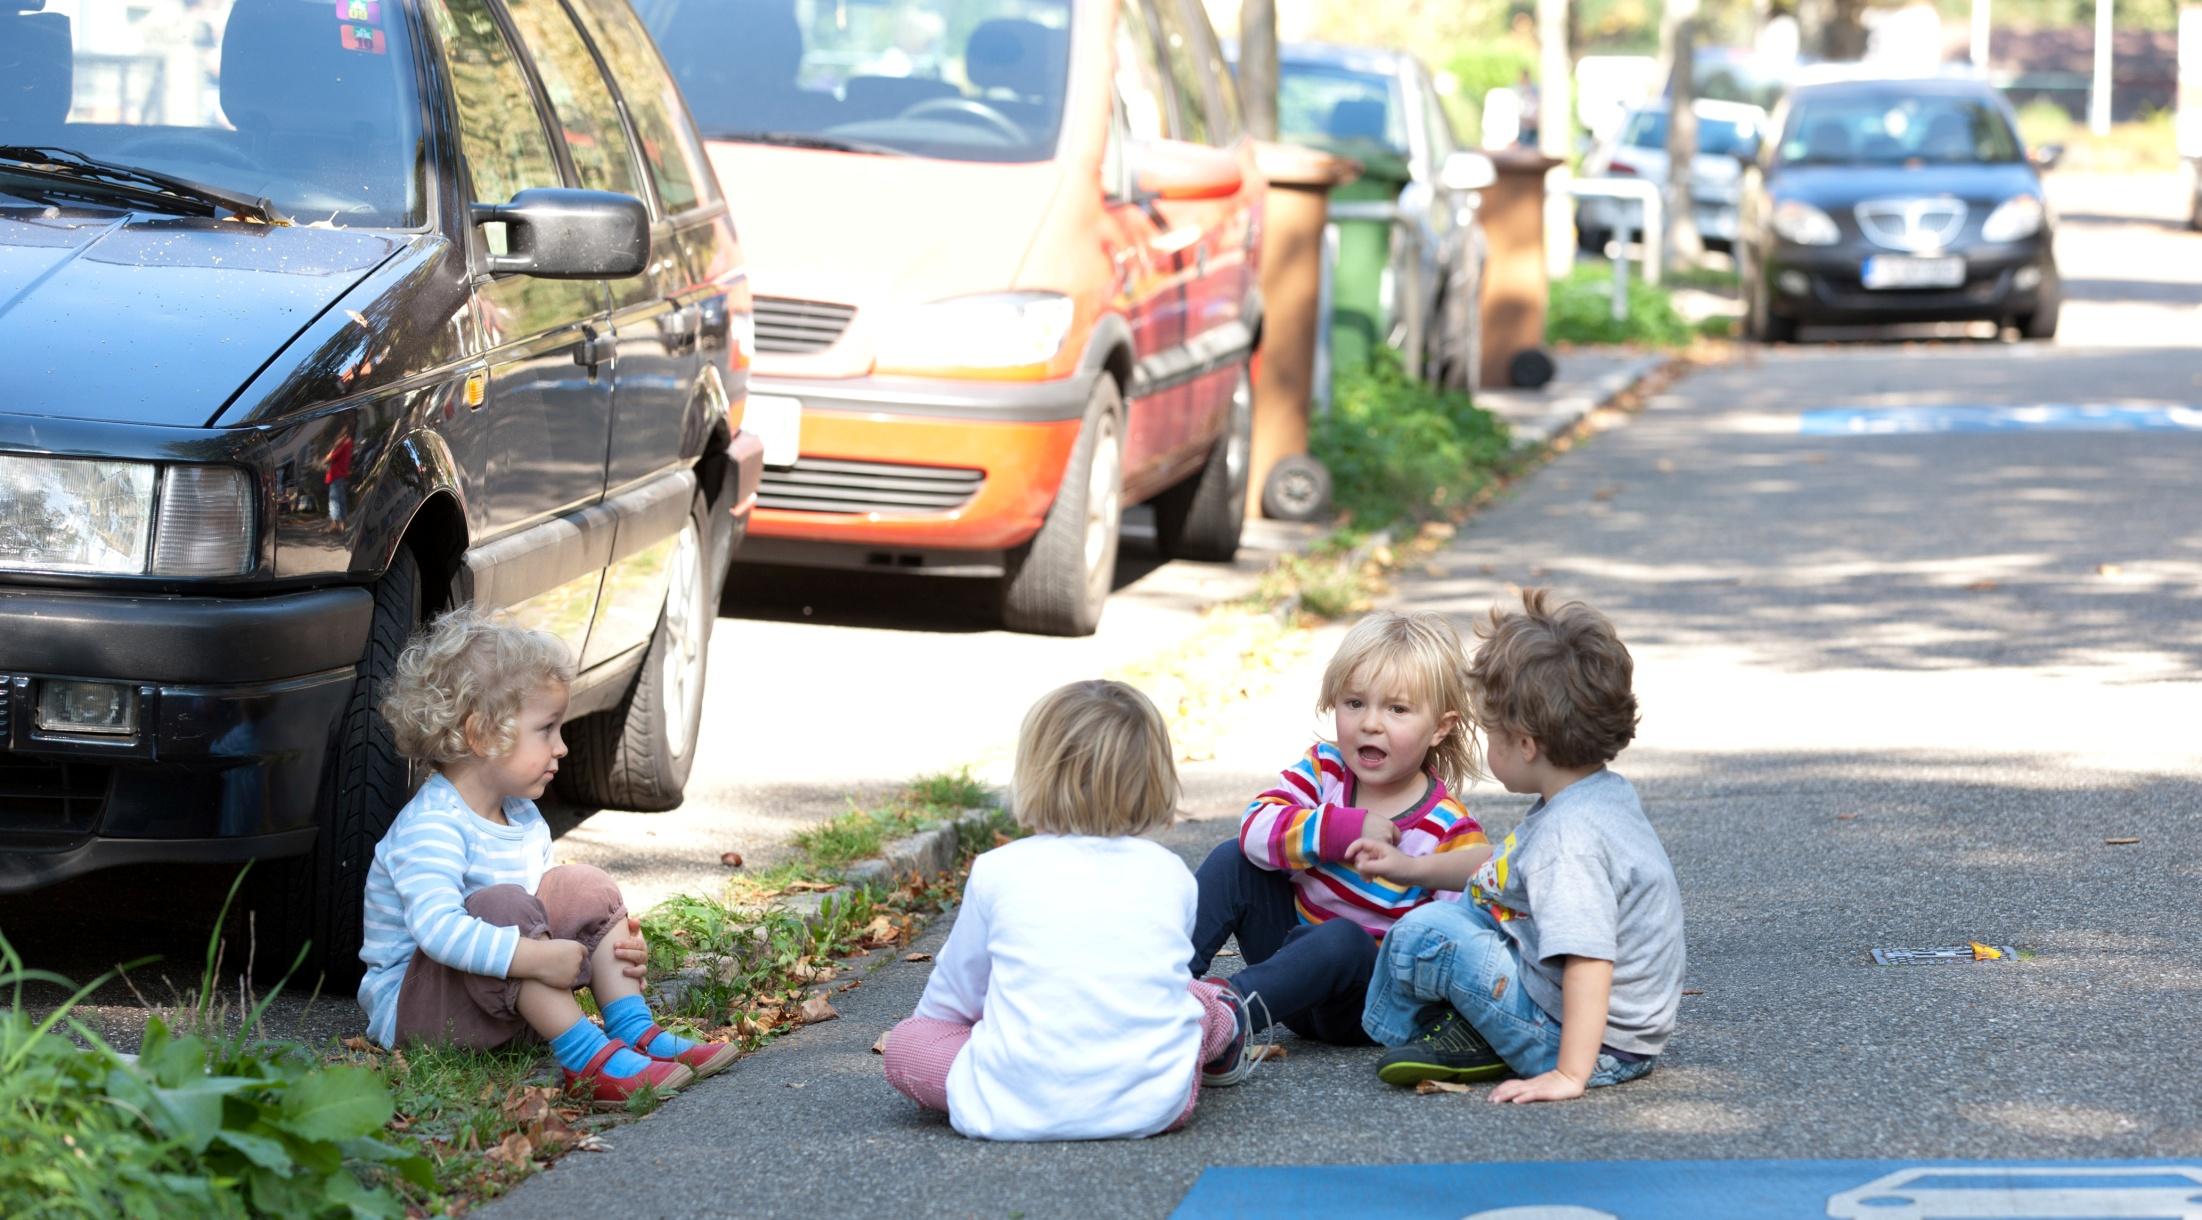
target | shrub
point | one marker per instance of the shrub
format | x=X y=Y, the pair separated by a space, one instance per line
x=1398 y=448
x=1581 y=311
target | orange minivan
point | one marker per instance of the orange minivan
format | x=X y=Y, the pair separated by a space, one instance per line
x=1003 y=254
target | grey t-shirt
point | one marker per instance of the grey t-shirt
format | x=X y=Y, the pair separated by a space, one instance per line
x=1585 y=875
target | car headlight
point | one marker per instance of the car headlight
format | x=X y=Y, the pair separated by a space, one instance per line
x=1799 y=222
x=2017 y=217
x=1009 y=334
x=96 y=516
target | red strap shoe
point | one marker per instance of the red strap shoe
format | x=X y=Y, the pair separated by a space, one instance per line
x=609 y=1092
x=703 y=1059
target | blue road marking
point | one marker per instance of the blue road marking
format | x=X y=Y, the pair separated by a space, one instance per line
x=2038 y=417
x=1701 y=1190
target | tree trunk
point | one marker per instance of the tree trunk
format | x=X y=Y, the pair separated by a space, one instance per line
x=1832 y=29
x=1258 y=67
x=1678 y=36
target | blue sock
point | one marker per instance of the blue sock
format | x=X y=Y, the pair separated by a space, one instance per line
x=578 y=1045
x=626 y=1019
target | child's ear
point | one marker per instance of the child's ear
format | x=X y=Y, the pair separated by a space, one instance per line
x=1447 y=725
x=477 y=737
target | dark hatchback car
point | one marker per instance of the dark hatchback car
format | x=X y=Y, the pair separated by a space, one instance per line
x=1884 y=201
x=320 y=317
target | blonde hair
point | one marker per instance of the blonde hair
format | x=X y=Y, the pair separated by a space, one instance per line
x=1559 y=674
x=468 y=671
x=1093 y=758
x=1422 y=653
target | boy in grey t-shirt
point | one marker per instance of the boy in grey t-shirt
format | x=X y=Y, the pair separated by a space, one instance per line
x=1562 y=962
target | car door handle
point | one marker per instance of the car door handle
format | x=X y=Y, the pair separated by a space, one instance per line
x=594 y=349
x=681 y=328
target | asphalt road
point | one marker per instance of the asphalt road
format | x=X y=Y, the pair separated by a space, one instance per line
x=1899 y=690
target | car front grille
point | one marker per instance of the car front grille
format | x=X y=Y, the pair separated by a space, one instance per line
x=1849 y=292
x=1916 y=225
x=47 y=803
x=821 y=485
x=791 y=326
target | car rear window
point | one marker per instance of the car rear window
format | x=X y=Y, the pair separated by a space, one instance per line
x=1320 y=104
x=313 y=104
x=1894 y=129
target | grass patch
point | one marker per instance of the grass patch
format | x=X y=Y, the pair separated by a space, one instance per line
x=1581 y=312
x=2147 y=144
x=1400 y=449
x=825 y=850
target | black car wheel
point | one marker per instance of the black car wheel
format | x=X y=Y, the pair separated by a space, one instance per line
x=315 y=904
x=637 y=756
x=1202 y=517
x=2042 y=323
x=1057 y=582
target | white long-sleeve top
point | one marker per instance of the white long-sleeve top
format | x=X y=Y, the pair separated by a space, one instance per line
x=1070 y=955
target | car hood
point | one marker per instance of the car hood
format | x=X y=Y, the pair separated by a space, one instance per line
x=1842 y=186
x=880 y=232
x=140 y=318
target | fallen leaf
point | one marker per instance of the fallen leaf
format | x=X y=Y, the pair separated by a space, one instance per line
x=880 y=931
x=880 y=1047
x=2107 y=569
x=1262 y=1054
x=1427 y=1087
x=806 y=971
x=796 y=1084
x=1227 y=953
x=731 y=859
x=1605 y=493
x=1488 y=569
x=516 y=1150
x=590 y=1141
x=816 y=1009
x=1664 y=465
x=2120 y=842
x=1814 y=459
x=1981 y=586
x=362 y=1045
x=1846 y=817
x=1692 y=991
x=807 y=887
x=1985 y=953
x=917 y=957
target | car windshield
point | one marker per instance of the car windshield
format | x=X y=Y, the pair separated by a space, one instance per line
x=310 y=104
x=1885 y=129
x=956 y=80
x=1715 y=137
x=1319 y=104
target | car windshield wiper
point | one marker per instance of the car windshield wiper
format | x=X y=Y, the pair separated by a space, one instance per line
x=68 y=165
x=804 y=139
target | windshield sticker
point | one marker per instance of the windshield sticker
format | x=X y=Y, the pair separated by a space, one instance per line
x=364 y=39
x=368 y=11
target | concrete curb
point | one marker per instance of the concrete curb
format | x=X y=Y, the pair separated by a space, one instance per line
x=1534 y=424
x=927 y=854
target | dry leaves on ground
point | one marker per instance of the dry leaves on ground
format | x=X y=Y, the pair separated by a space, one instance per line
x=917 y=957
x=807 y=971
x=807 y=887
x=882 y=931
x=1271 y=1051
x=816 y=1009
x=880 y=1047
x=731 y=859
x=1981 y=586
x=1427 y=1087
x=2120 y=842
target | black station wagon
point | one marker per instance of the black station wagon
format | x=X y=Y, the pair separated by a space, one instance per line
x=319 y=316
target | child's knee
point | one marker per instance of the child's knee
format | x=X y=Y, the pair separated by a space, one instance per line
x=581 y=900
x=509 y=906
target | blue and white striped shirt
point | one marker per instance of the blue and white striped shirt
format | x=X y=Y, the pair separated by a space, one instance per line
x=437 y=852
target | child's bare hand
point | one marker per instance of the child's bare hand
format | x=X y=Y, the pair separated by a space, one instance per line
x=1551 y=1086
x=564 y=963
x=1375 y=858
x=633 y=951
x=1378 y=827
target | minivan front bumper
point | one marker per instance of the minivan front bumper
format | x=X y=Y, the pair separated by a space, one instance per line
x=236 y=705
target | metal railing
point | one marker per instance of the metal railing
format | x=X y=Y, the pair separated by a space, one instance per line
x=1648 y=223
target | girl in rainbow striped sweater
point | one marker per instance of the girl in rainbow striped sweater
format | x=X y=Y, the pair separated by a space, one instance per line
x=1308 y=924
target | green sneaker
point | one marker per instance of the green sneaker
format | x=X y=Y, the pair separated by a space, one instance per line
x=1450 y=1049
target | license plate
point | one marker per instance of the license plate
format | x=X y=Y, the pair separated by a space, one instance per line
x=1897 y=271
x=778 y=422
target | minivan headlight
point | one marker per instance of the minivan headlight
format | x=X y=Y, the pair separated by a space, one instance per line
x=1799 y=222
x=94 y=516
x=1006 y=334
x=2014 y=219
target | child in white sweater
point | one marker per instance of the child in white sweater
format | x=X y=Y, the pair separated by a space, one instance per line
x=1061 y=1007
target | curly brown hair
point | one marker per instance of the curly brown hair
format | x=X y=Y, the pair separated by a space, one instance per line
x=1559 y=674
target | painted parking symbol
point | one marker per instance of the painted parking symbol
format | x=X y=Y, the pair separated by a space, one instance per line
x=2031 y=417
x=1704 y=1190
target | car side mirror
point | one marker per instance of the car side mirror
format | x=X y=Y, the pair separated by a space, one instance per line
x=562 y=234
x=1175 y=169
x=2045 y=156
x=1467 y=171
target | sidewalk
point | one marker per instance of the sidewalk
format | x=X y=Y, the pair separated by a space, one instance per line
x=1588 y=377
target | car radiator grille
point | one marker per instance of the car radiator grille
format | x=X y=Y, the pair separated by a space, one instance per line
x=791 y=326
x=821 y=485
x=44 y=803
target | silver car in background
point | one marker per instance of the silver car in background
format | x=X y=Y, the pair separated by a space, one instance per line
x=1640 y=151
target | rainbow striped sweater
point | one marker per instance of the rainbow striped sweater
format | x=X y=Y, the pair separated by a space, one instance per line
x=1304 y=824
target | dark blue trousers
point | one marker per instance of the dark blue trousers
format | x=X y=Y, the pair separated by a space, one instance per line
x=1312 y=977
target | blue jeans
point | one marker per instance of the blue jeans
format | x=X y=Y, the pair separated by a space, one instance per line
x=1311 y=977
x=1454 y=953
